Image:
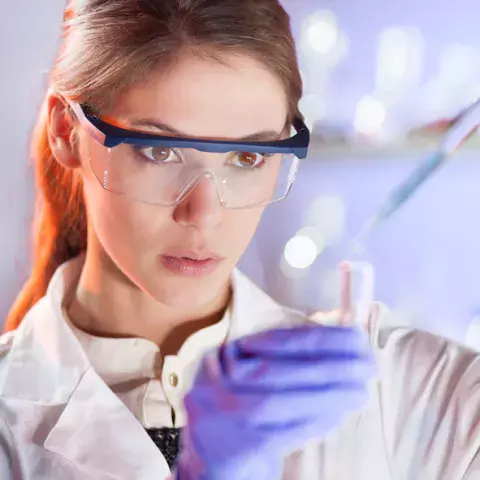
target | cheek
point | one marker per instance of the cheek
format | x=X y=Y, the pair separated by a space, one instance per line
x=122 y=225
x=241 y=225
x=118 y=222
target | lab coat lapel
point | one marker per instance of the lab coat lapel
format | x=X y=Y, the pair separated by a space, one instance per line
x=254 y=311
x=95 y=430
x=98 y=433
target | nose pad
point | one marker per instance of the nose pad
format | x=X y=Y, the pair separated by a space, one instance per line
x=194 y=182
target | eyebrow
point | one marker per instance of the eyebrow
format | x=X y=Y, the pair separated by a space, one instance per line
x=263 y=136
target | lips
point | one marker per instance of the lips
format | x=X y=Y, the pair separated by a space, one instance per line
x=191 y=263
x=199 y=255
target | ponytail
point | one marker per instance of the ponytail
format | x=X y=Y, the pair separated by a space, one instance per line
x=60 y=225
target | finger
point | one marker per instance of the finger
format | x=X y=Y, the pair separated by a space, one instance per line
x=233 y=449
x=310 y=341
x=237 y=438
x=328 y=405
x=276 y=407
x=264 y=375
x=286 y=438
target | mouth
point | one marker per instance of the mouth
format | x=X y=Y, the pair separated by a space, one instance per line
x=198 y=255
x=191 y=263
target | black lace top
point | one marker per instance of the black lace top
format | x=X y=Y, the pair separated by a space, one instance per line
x=168 y=442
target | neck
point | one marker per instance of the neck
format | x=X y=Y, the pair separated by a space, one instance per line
x=107 y=304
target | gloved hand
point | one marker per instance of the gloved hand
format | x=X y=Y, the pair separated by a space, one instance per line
x=261 y=397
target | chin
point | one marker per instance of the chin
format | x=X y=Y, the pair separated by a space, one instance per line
x=188 y=293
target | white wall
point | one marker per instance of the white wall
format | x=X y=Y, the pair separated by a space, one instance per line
x=28 y=43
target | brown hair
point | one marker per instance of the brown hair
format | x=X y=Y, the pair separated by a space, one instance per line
x=110 y=45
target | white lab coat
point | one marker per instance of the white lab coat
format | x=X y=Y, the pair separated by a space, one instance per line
x=59 y=420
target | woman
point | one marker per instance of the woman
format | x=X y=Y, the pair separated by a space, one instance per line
x=166 y=132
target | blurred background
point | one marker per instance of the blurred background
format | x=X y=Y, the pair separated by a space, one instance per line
x=376 y=73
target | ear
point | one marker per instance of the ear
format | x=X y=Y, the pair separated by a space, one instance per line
x=61 y=132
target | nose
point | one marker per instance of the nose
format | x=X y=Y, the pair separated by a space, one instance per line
x=201 y=208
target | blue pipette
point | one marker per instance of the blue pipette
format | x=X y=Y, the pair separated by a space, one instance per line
x=461 y=129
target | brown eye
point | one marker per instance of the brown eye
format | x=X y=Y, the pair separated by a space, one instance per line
x=250 y=159
x=162 y=154
x=159 y=155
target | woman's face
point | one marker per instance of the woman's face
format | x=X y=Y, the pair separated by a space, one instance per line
x=203 y=99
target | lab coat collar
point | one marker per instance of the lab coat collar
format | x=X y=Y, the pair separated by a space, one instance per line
x=253 y=310
x=95 y=429
x=45 y=347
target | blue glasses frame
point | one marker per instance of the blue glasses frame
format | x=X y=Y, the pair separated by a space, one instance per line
x=110 y=136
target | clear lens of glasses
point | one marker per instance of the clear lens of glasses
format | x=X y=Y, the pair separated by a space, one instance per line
x=164 y=176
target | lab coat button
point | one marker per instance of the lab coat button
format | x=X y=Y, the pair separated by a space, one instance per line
x=173 y=379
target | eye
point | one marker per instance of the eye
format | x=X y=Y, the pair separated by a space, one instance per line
x=159 y=154
x=249 y=159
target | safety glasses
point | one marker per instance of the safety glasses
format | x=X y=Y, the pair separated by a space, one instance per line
x=163 y=170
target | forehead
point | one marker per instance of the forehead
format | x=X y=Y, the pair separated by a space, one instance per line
x=205 y=98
